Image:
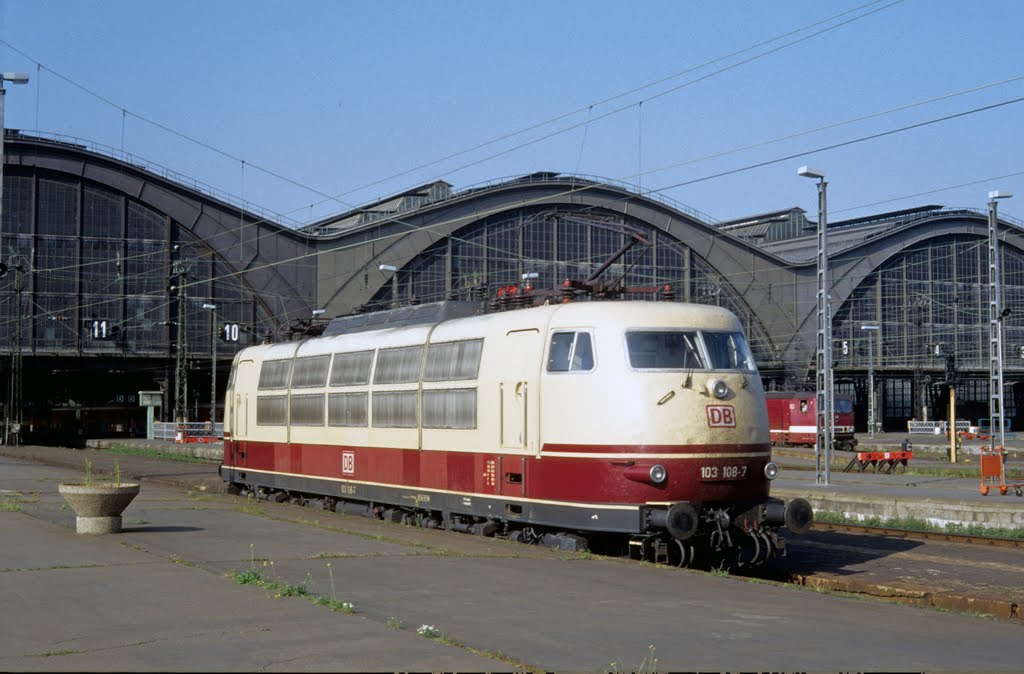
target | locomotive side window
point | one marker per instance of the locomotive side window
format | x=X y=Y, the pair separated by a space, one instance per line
x=452 y=361
x=271 y=410
x=347 y=409
x=351 y=369
x=307 y=410
x=664 y=350
x=398 y=366
x=729 y=351
x=570 y=352
x=274 y=374
x=394 y=409
x=449 y=408
x=310 y=372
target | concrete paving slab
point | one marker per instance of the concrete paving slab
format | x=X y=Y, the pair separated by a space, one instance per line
x=95 y=604
x=547 y=610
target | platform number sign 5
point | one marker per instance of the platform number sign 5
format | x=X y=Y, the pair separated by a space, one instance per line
x=721 y=416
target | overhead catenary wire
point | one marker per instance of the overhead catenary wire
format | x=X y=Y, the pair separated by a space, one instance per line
x=789 y=157
x=519 y=132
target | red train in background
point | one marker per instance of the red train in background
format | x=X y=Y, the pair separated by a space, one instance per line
x=792 y=418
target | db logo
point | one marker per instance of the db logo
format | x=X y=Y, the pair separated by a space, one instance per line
x=348 y=463
x=721 y=416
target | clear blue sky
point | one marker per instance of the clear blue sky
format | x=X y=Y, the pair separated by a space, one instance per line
x=359 y=100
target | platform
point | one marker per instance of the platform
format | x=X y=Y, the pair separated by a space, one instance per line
x=159 y=596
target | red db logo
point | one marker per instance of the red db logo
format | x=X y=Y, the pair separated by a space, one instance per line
x=348 y=463
x=721 y=416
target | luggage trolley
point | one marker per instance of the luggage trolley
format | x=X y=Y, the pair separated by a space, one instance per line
x=993 y=472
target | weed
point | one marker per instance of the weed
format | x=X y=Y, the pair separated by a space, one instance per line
x=88 y=471
x=249 y=577
x=720 y=570
x=428 y=631
x=648 y=665
x=916 y=524
x=395 y=623
x=169 y=456
x=9 y=506
x=250 y=506
x=292 y=591
x=335 y=605
x=50 y=654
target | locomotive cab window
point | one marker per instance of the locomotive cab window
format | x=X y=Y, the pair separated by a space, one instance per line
x=729 y=351
x=570 y=352
x=664 y=350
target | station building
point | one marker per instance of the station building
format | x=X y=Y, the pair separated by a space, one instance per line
x=122 y=277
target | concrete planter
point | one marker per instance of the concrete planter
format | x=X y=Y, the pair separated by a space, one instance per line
x=99 y=505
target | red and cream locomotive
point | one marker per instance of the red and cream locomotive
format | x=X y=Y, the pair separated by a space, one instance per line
x=563 y=423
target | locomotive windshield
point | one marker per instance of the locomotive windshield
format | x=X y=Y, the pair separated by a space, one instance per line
x=728 y=351
x=688 y=350
x=843 y=405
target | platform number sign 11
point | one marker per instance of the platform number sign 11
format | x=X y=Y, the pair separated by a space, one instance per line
x=101 y=329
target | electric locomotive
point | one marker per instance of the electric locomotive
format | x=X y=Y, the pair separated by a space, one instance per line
x=564 y=424
x=792 y=416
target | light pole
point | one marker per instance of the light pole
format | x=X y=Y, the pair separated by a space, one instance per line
x=212 y=308
x=996 y=314
x=871 y=376
x=394 y=282
x=825 y=417
x=13 y=78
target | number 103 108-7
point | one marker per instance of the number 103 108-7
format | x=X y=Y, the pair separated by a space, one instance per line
x=723 y=472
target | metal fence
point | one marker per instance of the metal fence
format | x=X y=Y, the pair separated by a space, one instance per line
x=937 y=427
x=192 y=431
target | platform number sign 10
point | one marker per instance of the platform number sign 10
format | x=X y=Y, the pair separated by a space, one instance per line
x=229 y=332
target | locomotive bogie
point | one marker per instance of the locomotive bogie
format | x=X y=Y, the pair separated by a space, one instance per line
x=594 y=417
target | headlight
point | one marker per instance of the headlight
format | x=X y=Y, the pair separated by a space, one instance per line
x=771 y=470
x=658 y=473
x=718 y=388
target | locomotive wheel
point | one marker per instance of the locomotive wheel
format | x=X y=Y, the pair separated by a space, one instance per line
x=679 y=553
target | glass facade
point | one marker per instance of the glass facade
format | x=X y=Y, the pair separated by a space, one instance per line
x=931 y=301
x=563 y=244
x=97 y=314
x=95 y=269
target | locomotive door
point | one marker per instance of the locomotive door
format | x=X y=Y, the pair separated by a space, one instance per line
x=244 y=381
x=518 y=390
